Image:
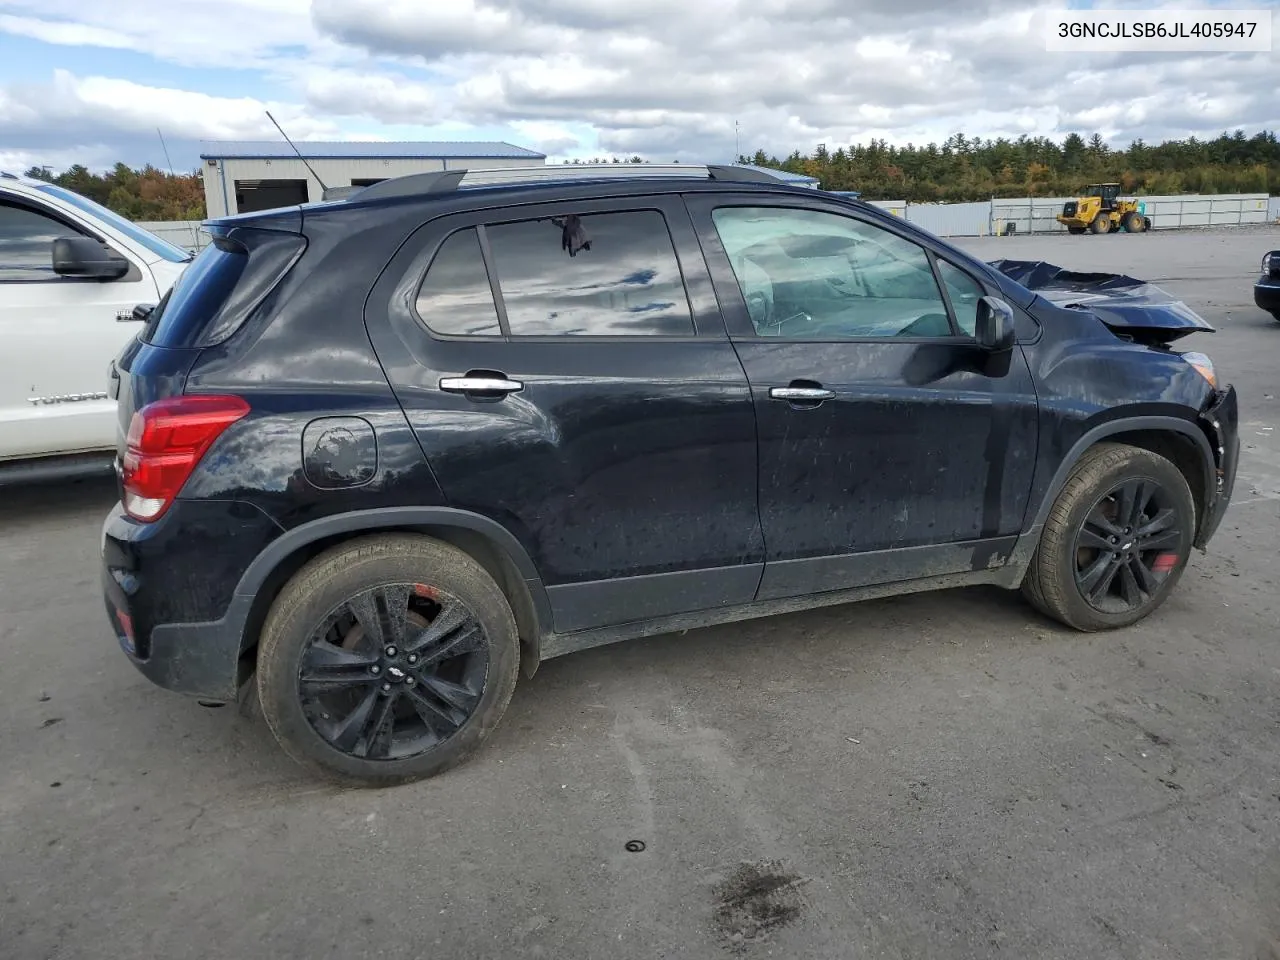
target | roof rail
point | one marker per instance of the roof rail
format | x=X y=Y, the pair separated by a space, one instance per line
x=446 y=181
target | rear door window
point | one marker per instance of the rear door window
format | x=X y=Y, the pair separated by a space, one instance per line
x=600 y=274
x=455 y=298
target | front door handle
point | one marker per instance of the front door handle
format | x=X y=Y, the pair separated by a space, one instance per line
x=805 y=396
x=481 y=386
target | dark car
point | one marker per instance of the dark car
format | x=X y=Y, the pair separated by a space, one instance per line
x=1266 y=292
x=383 y=451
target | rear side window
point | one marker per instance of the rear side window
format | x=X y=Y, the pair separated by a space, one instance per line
x=455 y=298
x=199 y=294
x=607 y=274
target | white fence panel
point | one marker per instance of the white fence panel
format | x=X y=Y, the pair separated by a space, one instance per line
x=897 y=207
x=187 y=234
x=1273 y=209
x=952 y=219
x=1028 y=215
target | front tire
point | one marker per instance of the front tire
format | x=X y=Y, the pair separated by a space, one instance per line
x=387 y=659
x=1101 y=224
x=1116 y=542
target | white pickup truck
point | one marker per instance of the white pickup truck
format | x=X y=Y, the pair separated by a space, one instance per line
x=71 y=273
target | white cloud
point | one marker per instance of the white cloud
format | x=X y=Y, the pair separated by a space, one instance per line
x=665 y=78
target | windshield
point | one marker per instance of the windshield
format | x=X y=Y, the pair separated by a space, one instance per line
x=161 y=248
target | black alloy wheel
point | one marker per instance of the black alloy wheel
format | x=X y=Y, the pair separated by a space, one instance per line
x=387 y=658
x=1116 y=539
x=393 y=671
x=1126 y=546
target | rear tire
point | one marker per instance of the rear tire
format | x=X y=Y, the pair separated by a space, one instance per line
x=1116 y=542
x=1135 y=223
x=387 y=659
x=1101 y=224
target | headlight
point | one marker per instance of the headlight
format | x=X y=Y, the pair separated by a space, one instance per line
x=1204 y=366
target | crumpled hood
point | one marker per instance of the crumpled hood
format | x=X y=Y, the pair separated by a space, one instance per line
x=1126 y=305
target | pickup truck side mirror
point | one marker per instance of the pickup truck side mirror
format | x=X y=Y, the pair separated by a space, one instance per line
x=994 y=325
x=84 y=258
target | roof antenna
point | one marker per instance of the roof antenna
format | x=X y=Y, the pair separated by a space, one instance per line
x=323 y=188
x=195 y=240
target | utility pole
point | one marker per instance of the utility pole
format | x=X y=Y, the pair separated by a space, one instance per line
x=737 y=147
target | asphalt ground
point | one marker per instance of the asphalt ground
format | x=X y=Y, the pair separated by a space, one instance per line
x=945 y=775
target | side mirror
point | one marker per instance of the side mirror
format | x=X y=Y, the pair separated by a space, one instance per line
x=1271 y=264
x=994 y=327
x=84 y=258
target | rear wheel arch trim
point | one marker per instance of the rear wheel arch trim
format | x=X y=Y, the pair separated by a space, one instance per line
x=385 y=519
x=1111 y=428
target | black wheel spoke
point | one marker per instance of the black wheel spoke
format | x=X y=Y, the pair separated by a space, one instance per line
x=1146 y=580
x=382 y=613
x=1129 y=586
x=327 y=665
x=438 y=715
x=1091 y=577
x=1101 y=524
x=1161 y=541
x=1095 y=537
x=379 y=729
x=1160 y=523
x=1132 y=500
x=451 y=633
x=454 y=694
x=1103 y=584
x=350 y=730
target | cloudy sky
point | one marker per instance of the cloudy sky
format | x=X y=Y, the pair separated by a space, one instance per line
x=668 y=79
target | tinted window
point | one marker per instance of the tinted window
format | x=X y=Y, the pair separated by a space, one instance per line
x=964 y=293
x=26 y=243
x=199 y=293
x=812 y=275
x=607 y=274
x=455 y=298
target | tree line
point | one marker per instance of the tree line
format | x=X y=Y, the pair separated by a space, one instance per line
x=966 y=168
x=961 y=168
x=145 y=194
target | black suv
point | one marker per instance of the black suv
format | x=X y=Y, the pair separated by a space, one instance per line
x=384 y=449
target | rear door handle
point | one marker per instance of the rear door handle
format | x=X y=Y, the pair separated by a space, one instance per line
x=801 y=394
x=484 y=386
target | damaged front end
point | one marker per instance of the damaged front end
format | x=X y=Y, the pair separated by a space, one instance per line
x=1143 y=313
x=1132 y=309
x=1220 y=421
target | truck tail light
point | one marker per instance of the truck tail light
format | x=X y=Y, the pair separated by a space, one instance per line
x=166 y=441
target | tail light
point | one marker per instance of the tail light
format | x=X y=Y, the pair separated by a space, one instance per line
x=166 y=441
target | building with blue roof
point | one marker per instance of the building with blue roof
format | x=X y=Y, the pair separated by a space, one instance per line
x=241 y=176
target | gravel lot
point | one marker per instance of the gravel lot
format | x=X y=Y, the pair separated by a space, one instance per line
x=935 y=776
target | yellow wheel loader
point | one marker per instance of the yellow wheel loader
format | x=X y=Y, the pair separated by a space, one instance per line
x=1101 y=210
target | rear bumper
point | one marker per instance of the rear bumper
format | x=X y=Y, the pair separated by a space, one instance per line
x=1266 y=294
x=1221 y=423
x=169 y=588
